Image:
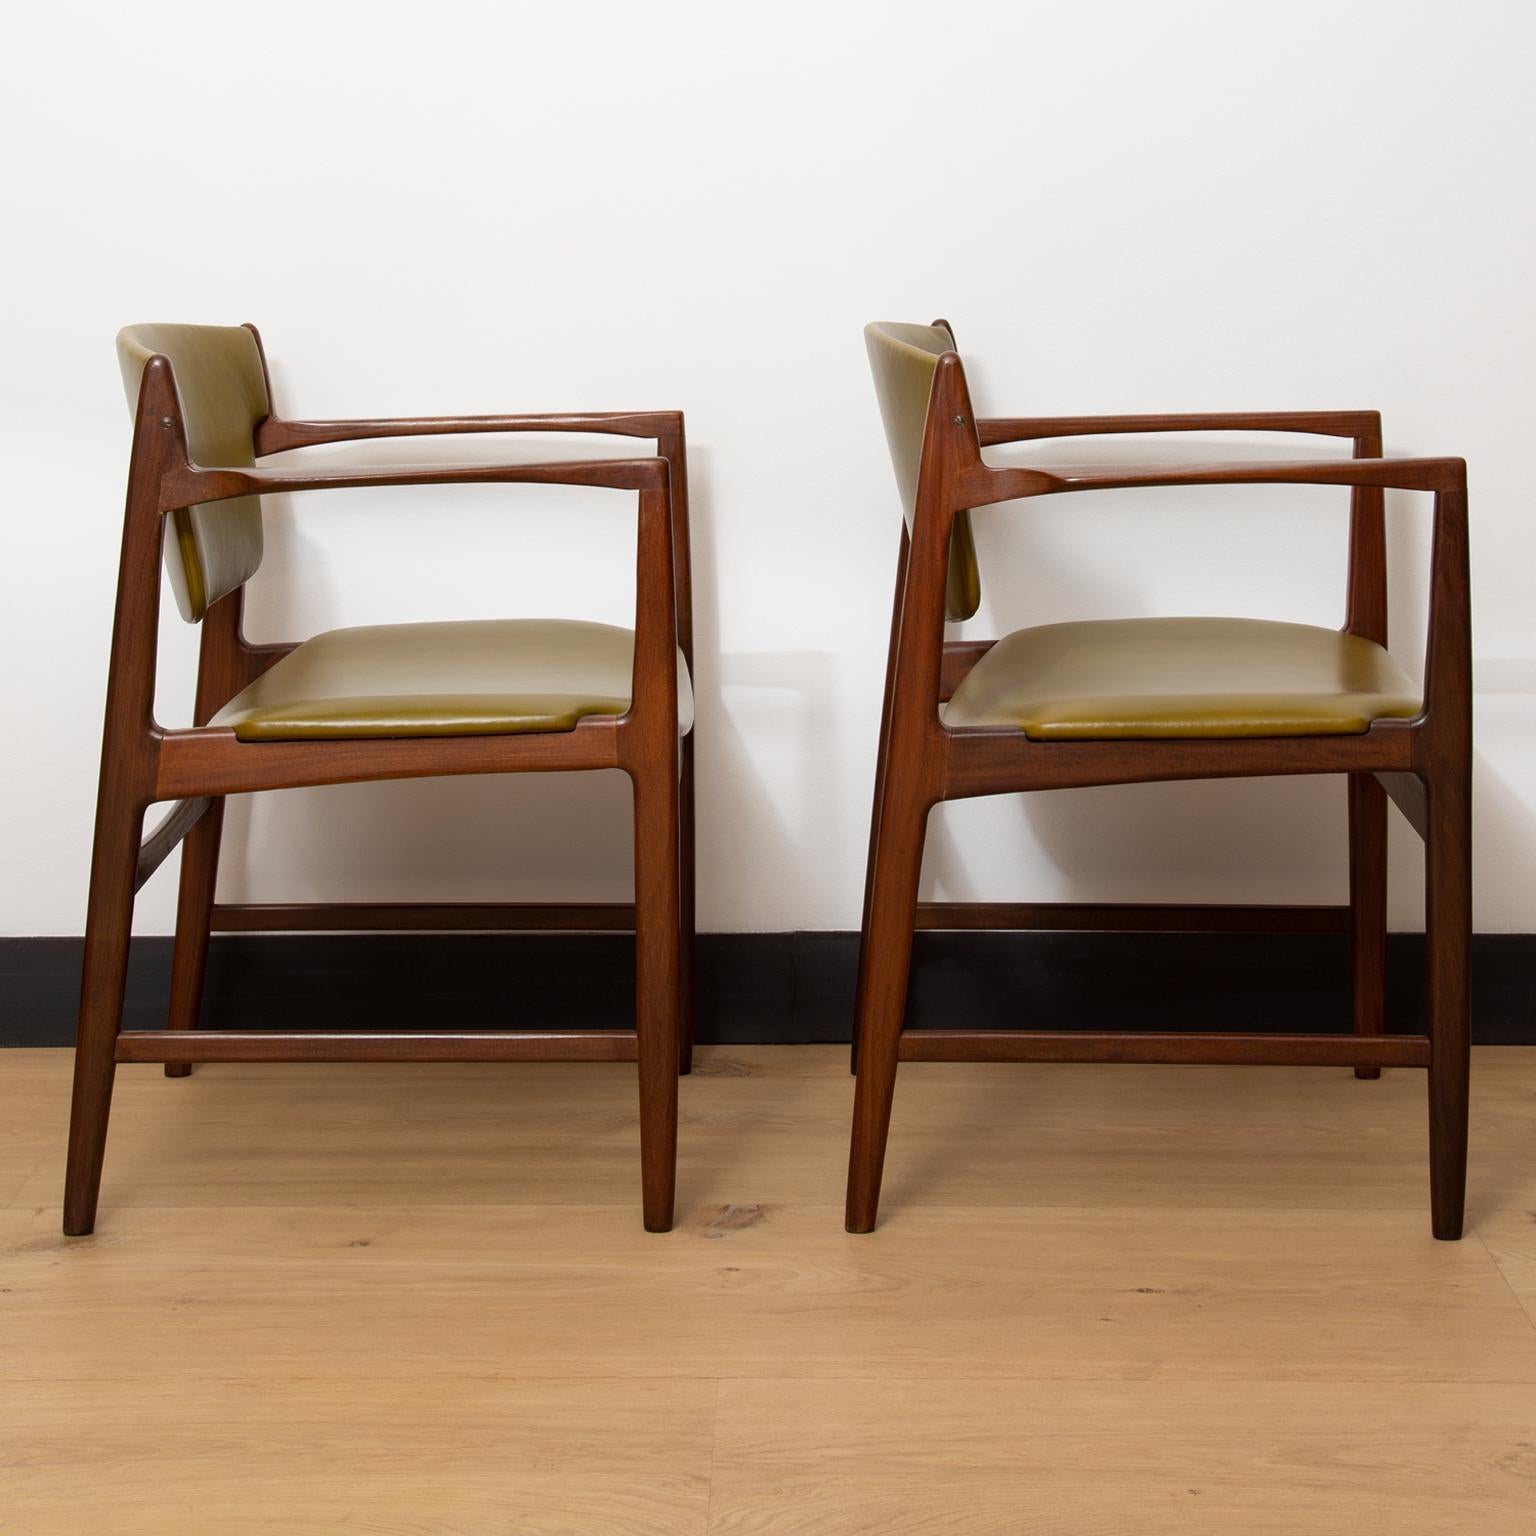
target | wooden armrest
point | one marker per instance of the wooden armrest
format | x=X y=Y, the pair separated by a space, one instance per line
x=274 y=435
x=193 y=484
x=981 y=485
x=1020 y=429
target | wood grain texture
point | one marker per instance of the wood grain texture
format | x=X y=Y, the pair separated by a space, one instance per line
x=992 y=431
x=382 y=1293
x=408 y=917
x=478 y=1453
x=1510 y=1236
x=414 y=1299
x=377 y=1045
x=1000 y=1457
x=977 y=1136
x=1263 y=1050
x=1130 y=917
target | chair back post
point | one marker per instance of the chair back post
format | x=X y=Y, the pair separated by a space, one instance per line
x=962 y=595
x=950 y=447
x=160 y=447
x=159 y=444
x=1366 y=609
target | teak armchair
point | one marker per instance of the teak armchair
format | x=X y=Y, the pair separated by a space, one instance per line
x=515 y=696
x=1130 y=701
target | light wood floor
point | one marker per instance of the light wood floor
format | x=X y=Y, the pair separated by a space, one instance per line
x=406 y=1301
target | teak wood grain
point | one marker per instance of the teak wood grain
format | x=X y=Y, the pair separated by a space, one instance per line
x=1422 y=765
x=143 y=763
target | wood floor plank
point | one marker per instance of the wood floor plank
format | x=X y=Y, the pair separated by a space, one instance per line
x=18 y=1166
x=181 y=1293
x=34 y=1111
x=947 y=1458
x=1510 y=1236
x=754 y=1129
x=416 y=1301
x=314 y=1455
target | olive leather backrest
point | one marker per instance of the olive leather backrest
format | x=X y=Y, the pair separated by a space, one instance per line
x=222 y=387
x=904 y=360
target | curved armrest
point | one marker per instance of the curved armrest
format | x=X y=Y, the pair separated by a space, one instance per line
x=193 y=484
x=980 y=485
x=274 y=435
x=1022 y=429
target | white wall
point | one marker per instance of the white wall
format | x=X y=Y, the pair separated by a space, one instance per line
x=510 y=207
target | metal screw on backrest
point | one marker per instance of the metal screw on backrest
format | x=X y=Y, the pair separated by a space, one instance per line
x=959 y=421
x=165 y=423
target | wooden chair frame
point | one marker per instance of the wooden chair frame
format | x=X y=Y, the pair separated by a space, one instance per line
x=1423 y=765
x=143 y=763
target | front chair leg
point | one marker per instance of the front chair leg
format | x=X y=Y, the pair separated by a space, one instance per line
x=1448 y=929
x=194 y=907
x=1368 y=905
x=104 y=974
x=866 y=953
x=885 y=957
x=657 y=984
x=882 y=753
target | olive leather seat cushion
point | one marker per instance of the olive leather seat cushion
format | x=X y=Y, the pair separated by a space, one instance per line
x=1124 y=679
x=489 y=677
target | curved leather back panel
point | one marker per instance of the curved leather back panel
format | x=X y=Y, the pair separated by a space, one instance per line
x=904 y=359
x=223 y=393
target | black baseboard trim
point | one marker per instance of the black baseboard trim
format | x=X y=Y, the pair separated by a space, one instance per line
x=771 y=988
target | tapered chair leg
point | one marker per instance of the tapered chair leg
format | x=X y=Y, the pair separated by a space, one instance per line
x=1368 y=906
x=880 y=758
x=657 y=990
x=866 y=954
x=686 y=913
x=194 y=907
x=1448 y=931
x=885 y=959
x=104 y=973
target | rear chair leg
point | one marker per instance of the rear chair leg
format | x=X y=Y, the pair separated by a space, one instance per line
x=1448 y=929
x=1368 y=905
x=658 y=910
x=885 y=957
x=108 y=924
x=194 y=907
x=686 y=914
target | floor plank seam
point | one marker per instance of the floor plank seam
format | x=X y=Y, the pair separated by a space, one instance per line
x=1477 y=1235
x=714 y=1448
